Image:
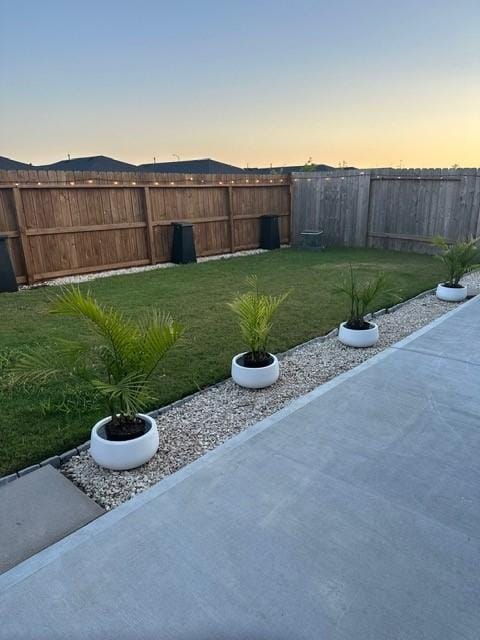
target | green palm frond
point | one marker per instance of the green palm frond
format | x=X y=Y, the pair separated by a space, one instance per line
x=459 y=258
x=362 y=296
x=255 y=312
x=119 y=366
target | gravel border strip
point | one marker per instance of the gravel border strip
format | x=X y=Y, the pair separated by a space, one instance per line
x=96 y=275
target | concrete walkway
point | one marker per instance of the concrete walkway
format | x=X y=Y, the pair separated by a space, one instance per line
x=352 y=514
x=37 y=510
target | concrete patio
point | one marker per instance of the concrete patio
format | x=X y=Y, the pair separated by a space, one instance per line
x=351 y=514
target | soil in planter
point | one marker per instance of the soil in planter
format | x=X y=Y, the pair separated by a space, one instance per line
x=449 y=285
x=248 y=360
x=357 y=326
x=125 y=428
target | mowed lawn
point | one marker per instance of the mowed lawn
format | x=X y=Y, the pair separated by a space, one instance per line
x=35 y=425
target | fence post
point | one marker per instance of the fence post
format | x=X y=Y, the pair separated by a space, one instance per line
x=24 y=242
x=231 y=223
x=363 y=211
x=148 y=220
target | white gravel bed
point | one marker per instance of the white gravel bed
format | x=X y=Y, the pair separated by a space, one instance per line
x=208 y=418
x=87 y=277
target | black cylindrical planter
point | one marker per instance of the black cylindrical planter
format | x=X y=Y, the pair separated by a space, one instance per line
x=8 y=281
x=269 y=234
x=183 y=247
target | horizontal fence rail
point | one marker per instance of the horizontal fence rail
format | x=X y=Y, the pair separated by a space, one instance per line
x=66 y=223
x=399 y=209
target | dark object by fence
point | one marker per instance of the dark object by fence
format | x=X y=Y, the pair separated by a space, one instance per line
x=183 y=248
x=8 y=281
x=269 y=233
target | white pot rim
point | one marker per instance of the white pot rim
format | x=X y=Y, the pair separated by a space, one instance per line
x=372 y=327
x=122 y=443
x=446 y=286
x=268 y=366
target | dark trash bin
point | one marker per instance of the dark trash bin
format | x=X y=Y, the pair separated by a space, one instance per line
x=183 y=246
x=269 y=232
x=8 y=281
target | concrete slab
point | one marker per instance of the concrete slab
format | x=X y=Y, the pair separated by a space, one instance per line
x=350 y=515
x=37 y=510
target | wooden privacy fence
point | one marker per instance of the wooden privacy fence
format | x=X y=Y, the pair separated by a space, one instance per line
x=60 y=223
x=387 y=208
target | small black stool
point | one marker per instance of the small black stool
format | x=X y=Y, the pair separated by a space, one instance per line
x=269 y=233
x=183 y=246
x=8 y=281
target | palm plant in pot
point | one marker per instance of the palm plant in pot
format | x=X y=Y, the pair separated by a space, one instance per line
x=356 y=331
x=458 y=258
x=119 y=367
x=255 y=368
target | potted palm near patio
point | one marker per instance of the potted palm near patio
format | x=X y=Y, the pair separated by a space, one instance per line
x=119 y=365
x=255 y=368
x=356 y=331
x=459 y=258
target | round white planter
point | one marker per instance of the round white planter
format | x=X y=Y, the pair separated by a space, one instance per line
x=126 y=454
x=255 y=378
x=451 y=294
x=358 y=337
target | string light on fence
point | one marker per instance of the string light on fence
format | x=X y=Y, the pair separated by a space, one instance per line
x=39 y=183
x=172 y=182
x=156 y=184
x=246 y=180
x=72 y=184
x=257 y=181
x=90 y=182
x=220 y=182
x=134 y=183
x=115 y=182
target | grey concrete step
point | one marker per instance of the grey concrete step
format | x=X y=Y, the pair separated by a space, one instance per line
x=37 y=510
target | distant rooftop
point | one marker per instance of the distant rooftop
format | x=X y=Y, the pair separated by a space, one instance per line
x=7 y=164
x=203 y=165
x=91 y=163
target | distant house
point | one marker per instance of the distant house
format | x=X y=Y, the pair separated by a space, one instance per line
x=6 y=164
x=91 y=163
x=204 y=165
x=288 y=169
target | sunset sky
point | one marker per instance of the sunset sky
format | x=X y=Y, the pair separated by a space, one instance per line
x=371 y=83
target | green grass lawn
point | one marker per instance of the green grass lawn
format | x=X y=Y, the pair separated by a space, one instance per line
x=35 y=425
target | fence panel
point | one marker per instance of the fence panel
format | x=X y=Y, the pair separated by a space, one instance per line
x=387 y=208
x=62 y=223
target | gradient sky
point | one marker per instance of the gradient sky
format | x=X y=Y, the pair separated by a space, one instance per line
x=372 y=83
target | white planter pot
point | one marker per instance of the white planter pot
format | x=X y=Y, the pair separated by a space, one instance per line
x=358 y=337
x=126 y=454
x=255 y=378
x=451 y=294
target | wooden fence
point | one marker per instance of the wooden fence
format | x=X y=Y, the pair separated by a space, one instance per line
x=64 y=223
x=387 y=208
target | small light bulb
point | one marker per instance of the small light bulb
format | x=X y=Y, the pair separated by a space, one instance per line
x=39 y=183
x=220 y=182
x=271 y=180
x=155 y=183
x=257 y=180
x=16 y=184
x=134 y=183
x=72 y=184
x=172 y=182
x=233 y=181
x=246 y=180
x=115 y=182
